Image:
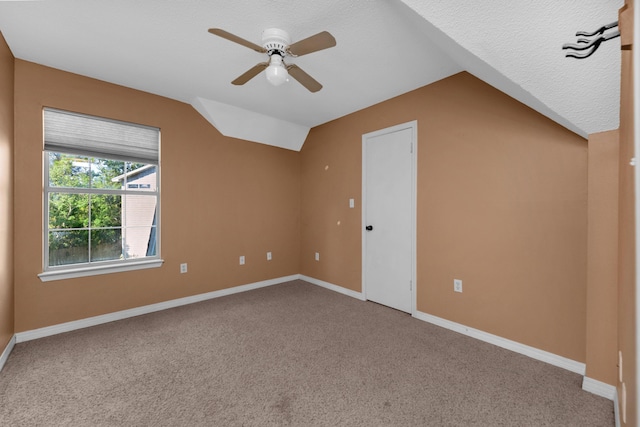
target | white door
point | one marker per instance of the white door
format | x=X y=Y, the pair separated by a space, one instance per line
x=389 y=216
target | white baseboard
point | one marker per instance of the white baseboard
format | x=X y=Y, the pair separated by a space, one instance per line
x=331 y=286
x=7 y=351
x=544 y=356
x=599 y=388
x=616 y=408
x=124 y=314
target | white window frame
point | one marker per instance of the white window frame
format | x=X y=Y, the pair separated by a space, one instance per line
x=89 y=268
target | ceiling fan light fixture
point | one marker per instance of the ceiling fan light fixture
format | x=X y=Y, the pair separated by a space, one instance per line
x=276 y=71
x=277 y=44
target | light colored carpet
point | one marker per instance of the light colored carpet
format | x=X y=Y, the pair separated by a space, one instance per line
x=290 y=354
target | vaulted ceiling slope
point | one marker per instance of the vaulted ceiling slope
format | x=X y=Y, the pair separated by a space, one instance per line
x=384 y=48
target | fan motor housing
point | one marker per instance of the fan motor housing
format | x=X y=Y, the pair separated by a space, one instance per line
x=275 y=40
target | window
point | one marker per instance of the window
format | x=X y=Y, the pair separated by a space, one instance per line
x=101 y=195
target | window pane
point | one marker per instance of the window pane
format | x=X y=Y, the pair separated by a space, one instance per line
x=68 y=247
x=106 y=210
x=153 y=241
x=66 y=170
x=106 y=244
x=140 y=242
x=106 y=173
x=68 y=210
x=139 y=210
x=142 y=177
x=140 y=221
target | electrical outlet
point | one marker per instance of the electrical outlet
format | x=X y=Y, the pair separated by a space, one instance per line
x=317 y=256
x=457 y=285
x=183 y=267
x=241 y=259
x=268 y=256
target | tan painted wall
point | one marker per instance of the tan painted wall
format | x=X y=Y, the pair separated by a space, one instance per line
x=626 y=249
x=6 y=194
x=502 y=205
x=602 y=257
x=220 y=198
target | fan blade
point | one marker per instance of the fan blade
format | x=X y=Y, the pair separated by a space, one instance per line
x=232 y=37
x=303 y=78
x=251 y=73
x=311 y=44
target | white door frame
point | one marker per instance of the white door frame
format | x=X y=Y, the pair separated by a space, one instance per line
x=413 y=125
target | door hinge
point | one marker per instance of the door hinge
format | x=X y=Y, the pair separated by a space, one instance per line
x=411 y=148
x=410 y=285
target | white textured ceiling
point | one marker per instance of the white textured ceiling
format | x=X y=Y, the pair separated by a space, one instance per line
x=384 y=48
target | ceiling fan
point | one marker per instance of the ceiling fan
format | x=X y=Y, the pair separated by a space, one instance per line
x=276 y=44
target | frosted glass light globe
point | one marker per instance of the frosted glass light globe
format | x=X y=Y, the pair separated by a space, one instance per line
x=276 y=72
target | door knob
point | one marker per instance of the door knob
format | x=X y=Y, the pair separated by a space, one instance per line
x=369 y=227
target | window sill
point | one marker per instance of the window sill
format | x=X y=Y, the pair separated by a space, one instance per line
x=72 y=273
